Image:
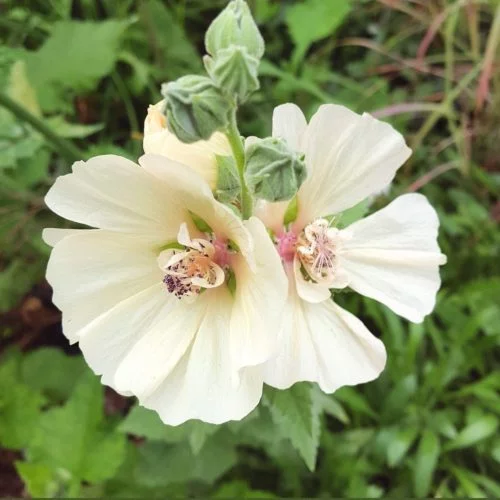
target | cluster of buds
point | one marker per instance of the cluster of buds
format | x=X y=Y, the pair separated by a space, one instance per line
x=198 y=106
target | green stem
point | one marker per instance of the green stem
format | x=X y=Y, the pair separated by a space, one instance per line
x=60 y=145
x=234 y=138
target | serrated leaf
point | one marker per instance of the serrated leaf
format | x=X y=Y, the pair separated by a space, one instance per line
x=73 y=437
x=19 y=407
x=36 y=373
x=297 y=416
x=146 y=423
x=39 y=479
x=73 y=59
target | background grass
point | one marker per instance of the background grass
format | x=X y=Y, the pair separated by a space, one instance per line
x=75 y=81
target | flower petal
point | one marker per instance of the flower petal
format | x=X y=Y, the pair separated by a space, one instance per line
x=326 y=344
x=108 y=338
x=201 y=384
x=393 y=256
x=349 y=157
x=110 y=192
x=53 y=235
x=198 y=198
x=93 y=270
x=259 y=300
x=290 y=124
x=200 y=156
x=308 y=290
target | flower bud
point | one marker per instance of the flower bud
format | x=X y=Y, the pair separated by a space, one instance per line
x=273 y=171
x=195 y=108
x=234 y=26
x=234 y=71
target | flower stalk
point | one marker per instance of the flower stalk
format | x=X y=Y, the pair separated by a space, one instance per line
x=234 y=138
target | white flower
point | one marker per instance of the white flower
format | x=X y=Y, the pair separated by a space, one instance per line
x=391 y=256
x=200 y=156
x=146 y=294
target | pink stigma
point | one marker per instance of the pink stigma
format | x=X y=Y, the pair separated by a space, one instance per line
x=221 y=256
x=286 y=244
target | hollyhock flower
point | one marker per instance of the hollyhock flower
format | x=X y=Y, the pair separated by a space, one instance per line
x=391 y=256
x=176 y=315
x=200 y=156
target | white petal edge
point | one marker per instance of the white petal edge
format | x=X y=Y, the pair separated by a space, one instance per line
x=326 y=344
x=201 y=385
x=111 y=192
x=290 y=124
x=93 y=270
x=349 y=157
x=393 y=256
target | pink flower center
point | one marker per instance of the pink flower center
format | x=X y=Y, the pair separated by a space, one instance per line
x=286 y=243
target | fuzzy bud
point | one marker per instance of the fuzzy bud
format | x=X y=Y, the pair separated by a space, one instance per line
x=273 y=171
x=195 y=108
x=234 y=71
x=234 y=26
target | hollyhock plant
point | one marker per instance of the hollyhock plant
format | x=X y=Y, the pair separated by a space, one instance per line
x=166 y=296
x=391 y=256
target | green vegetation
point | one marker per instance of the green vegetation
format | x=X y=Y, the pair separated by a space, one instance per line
x=76 y=77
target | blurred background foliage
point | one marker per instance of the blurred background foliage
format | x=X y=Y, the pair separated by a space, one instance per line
x=76 y=77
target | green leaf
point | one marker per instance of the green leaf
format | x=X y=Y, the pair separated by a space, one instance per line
x=73 y=438
x=330 y=405
x=312 y=20
x=291 y=211
x=296 y=414
x=160 y=464
x=228 y=183
x=42 y=369
x=200 y=224
x=73 y=59
x=240 y=489
x=354 y=213
x=39 y=479
x=146 y=423
x=481 y=429
x=72 y=130
x=425 y=463
x=400 y=444
x=19 y=407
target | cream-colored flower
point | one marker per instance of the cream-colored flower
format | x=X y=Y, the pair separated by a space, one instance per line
x=151 y=298
x=391 y=256
x=200 y=156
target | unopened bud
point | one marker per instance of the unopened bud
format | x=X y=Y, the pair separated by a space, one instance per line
x=234 y=26
x=234 y=71
x=273 y=171
x=195 y=108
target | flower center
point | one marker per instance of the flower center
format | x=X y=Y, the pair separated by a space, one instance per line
x=317 y=247
x=199 y=265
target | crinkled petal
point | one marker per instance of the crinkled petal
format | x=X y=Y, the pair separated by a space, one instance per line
x=326 y=344
x=200 y=156
x=259 y=300
x=393 y=256
x=290 y=124
x=93 y=270
x=349 y=157
x=110 y=192
x=308 y=290
x=201 y=384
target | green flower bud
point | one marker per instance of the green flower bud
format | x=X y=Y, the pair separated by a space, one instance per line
x=195 y=108
x=234 y=71
x=273 y=171
x=234 y=26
